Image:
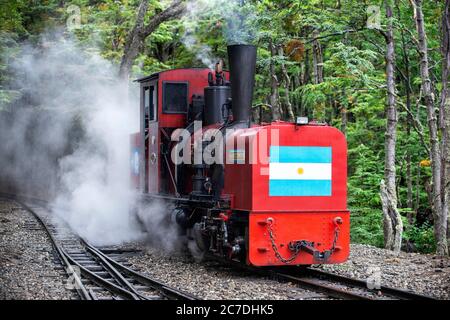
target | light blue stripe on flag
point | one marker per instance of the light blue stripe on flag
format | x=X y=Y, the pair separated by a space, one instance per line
x=299 y=188
x=300 y=154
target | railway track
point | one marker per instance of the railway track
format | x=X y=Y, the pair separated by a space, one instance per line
x=102 y=277
x=330 y=285
x=94 y=274
x=341 y=287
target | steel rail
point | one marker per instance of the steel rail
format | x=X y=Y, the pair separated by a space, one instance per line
x=169 y=292
x=112 y=287
x=124 y=289
x=113 y=271
x=79 y=287
x=309 y=278
x=384 y=290
x=70 y=262
x=304 y=282
x=315 y=285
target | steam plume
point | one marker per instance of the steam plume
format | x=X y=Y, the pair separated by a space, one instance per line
x=75 y=138
x=237 y=21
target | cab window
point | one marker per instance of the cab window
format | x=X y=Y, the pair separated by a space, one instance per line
x=149 y=103
x=175 y=97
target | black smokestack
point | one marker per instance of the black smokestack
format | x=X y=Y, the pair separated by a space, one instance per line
x=242 y=60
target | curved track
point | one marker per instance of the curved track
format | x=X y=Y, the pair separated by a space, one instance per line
x=102 y=277
x=92 y=273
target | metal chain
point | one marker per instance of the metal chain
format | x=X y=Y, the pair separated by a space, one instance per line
x=297 y=249
x=336 y=235
x=275 y=249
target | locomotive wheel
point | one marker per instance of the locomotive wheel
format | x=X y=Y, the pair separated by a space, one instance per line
x=196 y=243
x=195 y=251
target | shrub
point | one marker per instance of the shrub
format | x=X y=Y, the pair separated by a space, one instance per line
x=366 y=226
x=422 y=237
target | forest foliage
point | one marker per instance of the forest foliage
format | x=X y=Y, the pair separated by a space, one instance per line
x=316 y=58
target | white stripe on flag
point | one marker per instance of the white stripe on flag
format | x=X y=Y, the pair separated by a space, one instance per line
x=299 y=171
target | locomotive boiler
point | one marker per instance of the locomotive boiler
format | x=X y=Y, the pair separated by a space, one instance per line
x=266 y=194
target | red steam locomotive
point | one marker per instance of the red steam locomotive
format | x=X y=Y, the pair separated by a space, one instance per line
x=266 y=194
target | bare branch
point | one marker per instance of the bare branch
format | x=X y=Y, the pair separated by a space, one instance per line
x=140 y=31
x=416 y=125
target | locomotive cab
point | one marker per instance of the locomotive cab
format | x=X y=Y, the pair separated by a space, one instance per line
x=168 y=100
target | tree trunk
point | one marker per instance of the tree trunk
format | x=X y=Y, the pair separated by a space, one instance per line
x=133 y=42
x=407 y=82
x=317 y=59
x=438 y=213
x=306 y=76
x=445 y=109
x=274 y=100
x=342 y=108
x=393 y=226
x=388 y=228
x=141 y=31
x=287 y=85
x=445 y=227
x=344 y=120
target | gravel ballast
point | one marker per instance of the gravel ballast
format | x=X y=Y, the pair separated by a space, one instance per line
x=424 y=274
x=27 y=261
x=28 y=269
x=213 y=280
x=421 y=273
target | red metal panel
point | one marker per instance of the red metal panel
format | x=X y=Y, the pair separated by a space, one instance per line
x=197 y=79
x=296 y=218
x=252 y=191
x=311 y=226
x=238 y=176
x=310 y=135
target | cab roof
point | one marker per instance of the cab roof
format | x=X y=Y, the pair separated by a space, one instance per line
x=156 y=74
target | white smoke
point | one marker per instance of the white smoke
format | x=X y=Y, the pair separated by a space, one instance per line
x=75 y=85
x=236 y=19
x=67 y=137
x=202 y=52
x=96 y=194
x=162 y=232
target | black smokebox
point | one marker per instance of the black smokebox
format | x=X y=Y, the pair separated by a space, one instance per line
x=242 y=62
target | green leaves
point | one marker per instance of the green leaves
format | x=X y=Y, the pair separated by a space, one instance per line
x=421 y=236
x=366 y=226
x=351 y=96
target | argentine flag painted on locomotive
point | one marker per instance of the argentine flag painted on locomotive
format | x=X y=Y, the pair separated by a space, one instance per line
x=300 y=171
